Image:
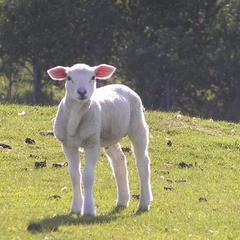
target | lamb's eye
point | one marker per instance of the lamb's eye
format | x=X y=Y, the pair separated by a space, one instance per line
x=69 y=78
x=93 y=78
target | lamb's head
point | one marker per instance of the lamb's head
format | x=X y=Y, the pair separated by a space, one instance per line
x=81 y=79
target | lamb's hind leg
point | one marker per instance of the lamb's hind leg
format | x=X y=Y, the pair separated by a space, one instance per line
x=139 y=137
x=118 y=162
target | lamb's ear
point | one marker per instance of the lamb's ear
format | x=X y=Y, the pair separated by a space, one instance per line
x=104 y=71
x=57 y=73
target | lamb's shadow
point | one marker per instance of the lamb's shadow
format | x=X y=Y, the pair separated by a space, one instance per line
x=53 y=223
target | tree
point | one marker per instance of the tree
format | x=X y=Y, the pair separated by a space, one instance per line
x=182 y=55
x=178 y=55
x=45 y=33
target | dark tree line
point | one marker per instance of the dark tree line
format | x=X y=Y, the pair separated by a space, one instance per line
x=178 y=55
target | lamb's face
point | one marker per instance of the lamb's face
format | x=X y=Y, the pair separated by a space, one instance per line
x=80 y=82
x=80 y=79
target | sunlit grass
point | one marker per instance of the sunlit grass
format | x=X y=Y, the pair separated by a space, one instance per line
x=201 y=201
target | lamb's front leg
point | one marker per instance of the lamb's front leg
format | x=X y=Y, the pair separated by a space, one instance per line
x=58 y=123
x=91 y=155
x=72 y=156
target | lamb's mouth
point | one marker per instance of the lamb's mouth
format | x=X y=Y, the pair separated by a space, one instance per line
x=81 y=98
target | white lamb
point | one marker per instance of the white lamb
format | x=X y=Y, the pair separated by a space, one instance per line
x=92 y=118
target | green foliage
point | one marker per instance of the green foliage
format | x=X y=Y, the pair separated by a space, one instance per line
x=186 y=56
x=178 y=55
x=203 y=202
x=45 y=34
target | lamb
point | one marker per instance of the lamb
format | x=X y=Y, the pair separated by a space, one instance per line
x=91 y=118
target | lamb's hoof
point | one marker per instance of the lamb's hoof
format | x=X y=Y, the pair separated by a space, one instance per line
x=122 y=205
x=123 y=202
x=75 y=211
x=119 y=209
x=143 y=208
x=87 y=216
x=89 y=213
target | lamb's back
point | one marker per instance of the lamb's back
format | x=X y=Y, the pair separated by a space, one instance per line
x=117 y=105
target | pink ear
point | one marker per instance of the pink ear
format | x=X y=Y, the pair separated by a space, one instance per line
x=104 y=71
x=57 y=73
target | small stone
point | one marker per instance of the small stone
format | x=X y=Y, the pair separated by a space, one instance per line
x=64 y=189
x=179 y=115
x=29 y=141
x=41 y=164
x=3 y=145
x=168 y=188
x=60 y=165
x=56 y=197
x=202 y=199
x=136 y=196
x=185 y=165
x=181 y=181
x=162 y=178
x=46 y=133
x=165 y=172
x=211 y=231
x=23 y=113
x=169 y=142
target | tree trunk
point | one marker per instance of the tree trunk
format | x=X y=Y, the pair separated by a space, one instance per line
x=37 y=82
x=9 y=88
x=233 y=110
x=166 y=97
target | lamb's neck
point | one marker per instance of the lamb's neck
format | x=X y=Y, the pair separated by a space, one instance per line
x=75 y=112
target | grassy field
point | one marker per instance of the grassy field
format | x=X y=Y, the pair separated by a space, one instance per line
x=195 y=178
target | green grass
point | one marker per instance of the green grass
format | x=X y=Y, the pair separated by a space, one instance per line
x=212 y=147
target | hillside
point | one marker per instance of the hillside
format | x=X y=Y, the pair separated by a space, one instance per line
x=195 y=178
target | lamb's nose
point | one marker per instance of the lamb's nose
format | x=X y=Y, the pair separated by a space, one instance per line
x=82 y=92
